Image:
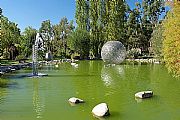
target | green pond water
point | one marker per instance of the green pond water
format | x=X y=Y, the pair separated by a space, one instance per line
x=46 y=98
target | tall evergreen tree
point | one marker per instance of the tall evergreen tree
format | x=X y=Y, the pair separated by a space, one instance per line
x=94 y=27
x=82 y=14
x=115 y=19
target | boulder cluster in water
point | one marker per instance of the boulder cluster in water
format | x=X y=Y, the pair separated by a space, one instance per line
x=102 y=109
x=99 y=110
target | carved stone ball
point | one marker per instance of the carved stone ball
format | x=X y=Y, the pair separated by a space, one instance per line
x=113 y=52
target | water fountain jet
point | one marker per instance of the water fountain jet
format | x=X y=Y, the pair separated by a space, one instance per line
x=35 y=49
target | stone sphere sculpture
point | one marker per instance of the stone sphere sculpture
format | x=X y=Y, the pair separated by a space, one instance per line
x=113 y=52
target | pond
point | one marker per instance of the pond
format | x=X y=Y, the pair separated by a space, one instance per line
x=46 y=98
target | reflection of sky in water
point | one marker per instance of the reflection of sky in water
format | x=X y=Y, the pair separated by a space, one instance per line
x=109 y=71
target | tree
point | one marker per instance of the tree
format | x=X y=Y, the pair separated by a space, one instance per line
x=95 y=27
x=0 y=11
x=116 y=18
x=82 y=14
x=57 y=42
x=133 y=30
x=151 y=11
x=47 y=34
x=1 y=50
x=141 y=21
x=10 y=35
x=103 y=19
x=157 y=41
x=171 y=34
x=61 y=32
x=80 y=42
x=27 y=40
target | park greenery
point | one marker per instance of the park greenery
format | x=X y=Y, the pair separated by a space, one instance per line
x=3 y=83
x=148 y=29
x=171 y=40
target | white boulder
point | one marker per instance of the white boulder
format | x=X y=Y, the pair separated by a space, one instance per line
x=75 y=100
x=101 y=110
x=73 y=64
x=144 y=94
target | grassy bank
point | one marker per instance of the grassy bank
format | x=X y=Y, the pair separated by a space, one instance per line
x=3 y=82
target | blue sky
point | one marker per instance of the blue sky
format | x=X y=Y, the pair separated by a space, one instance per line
x=33 y=12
